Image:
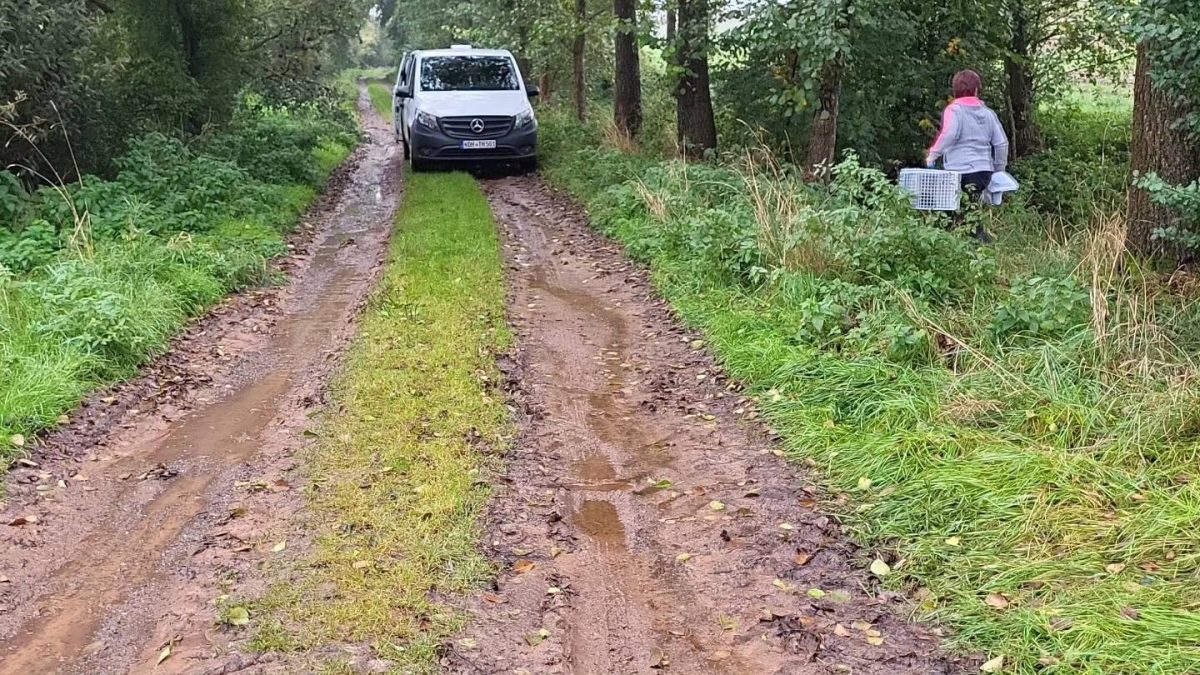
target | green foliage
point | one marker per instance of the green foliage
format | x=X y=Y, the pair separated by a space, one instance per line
x=80 y=78
x=110 y=270
x=1085 y=165
x=1048 y=308
x=1019 y=441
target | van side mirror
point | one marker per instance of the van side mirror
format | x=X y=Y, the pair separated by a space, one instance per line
x=532 y=91
x=402 y=92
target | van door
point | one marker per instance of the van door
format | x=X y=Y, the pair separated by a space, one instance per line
x=397 y=102
x=405 y=118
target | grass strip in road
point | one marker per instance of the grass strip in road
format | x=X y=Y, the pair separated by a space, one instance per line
x=381 y=98
x=396 y=490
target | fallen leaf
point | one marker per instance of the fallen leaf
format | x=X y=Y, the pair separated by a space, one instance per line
x=864 y=483
x=467 y=643
x=521 y=552
x=279 y=547
x=719 y=655
x=953 y=541
x=524 y=565
x=861 y=626
x=786 y=526
x=880 y=568
x=802 y=558
x=23 y=520
x=871 y=632
x=361 y=564
x=841 y=631
x=993 y=666
x=1130 y=613
x=816 y=593
x=716 y=505
x=683 y=557
x=553 y=590
x=663 y=484
x=784 y=586
x=1061 y=623
x=996 y=600
x=875 y=640
x=1115 y=568
x=17 y=440
x=238 y=616
x=494 y=599
x=555 y=551
x=727 y=623
x=164 y=654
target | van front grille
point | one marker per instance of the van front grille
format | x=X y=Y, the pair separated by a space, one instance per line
x=493 y=126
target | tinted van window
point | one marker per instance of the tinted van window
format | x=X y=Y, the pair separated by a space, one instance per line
x=468 y=73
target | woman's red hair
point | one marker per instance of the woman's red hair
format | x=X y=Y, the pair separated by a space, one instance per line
x=967 y=83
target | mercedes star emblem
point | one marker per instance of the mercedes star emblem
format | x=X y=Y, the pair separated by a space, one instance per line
x=477 y=125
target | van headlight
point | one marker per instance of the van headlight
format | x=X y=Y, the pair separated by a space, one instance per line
x=525 y=120
x=426 y=120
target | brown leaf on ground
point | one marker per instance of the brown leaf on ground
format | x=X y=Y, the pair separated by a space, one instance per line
x=996 y=600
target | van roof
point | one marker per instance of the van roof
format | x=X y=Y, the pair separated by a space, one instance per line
x=463 y=51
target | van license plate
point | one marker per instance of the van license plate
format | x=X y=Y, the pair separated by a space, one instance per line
x=478 y=145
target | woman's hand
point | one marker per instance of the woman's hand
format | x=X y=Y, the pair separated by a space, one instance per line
x=930 y=162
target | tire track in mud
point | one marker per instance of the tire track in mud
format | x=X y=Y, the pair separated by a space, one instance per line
x=643 y=527
x=131 y=545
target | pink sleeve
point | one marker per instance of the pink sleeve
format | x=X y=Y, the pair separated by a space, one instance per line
x=939 y=145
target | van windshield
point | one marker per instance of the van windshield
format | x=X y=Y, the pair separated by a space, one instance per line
x=468 y=73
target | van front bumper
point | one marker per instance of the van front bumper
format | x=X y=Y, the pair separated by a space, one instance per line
x=434 y=145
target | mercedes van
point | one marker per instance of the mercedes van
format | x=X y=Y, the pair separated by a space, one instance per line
x=464 y=105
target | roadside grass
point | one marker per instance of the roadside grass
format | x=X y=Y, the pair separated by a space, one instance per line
x=381 y=98
x=85 y=300
x=399 y=471
x=1030 y=473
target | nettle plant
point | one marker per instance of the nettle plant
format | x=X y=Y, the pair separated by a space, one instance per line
x=1043 y=307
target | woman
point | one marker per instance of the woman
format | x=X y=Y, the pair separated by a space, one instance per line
x=972 y=141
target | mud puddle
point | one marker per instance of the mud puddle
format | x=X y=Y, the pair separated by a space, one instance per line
x=125 y=536
x=645 y=524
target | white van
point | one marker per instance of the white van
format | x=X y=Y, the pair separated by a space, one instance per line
x=464 y=105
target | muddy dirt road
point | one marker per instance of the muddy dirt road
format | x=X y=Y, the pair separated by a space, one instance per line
x=117 y=541
x=645 y=525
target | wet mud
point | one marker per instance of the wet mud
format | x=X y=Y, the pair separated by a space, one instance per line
x=646 y=523
x=129 y=523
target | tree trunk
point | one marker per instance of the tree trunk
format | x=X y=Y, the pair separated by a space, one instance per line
x=544 y=86
x=670 y=22
x=627 y=81
x=696 y=128
x=577 y=50
x=822 y=142
x=1026 y=139
x=1159 y=146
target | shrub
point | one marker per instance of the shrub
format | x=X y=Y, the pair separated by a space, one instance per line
x=1042 y=307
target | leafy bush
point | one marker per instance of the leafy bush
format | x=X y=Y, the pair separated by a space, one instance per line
x=275 y=145
x=1043 y=307
x=176 y=230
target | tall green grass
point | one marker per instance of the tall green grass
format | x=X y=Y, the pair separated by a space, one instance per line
x=101 y=275
x=1033 y=477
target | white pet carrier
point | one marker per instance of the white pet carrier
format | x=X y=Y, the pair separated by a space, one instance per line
x=932 y=189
